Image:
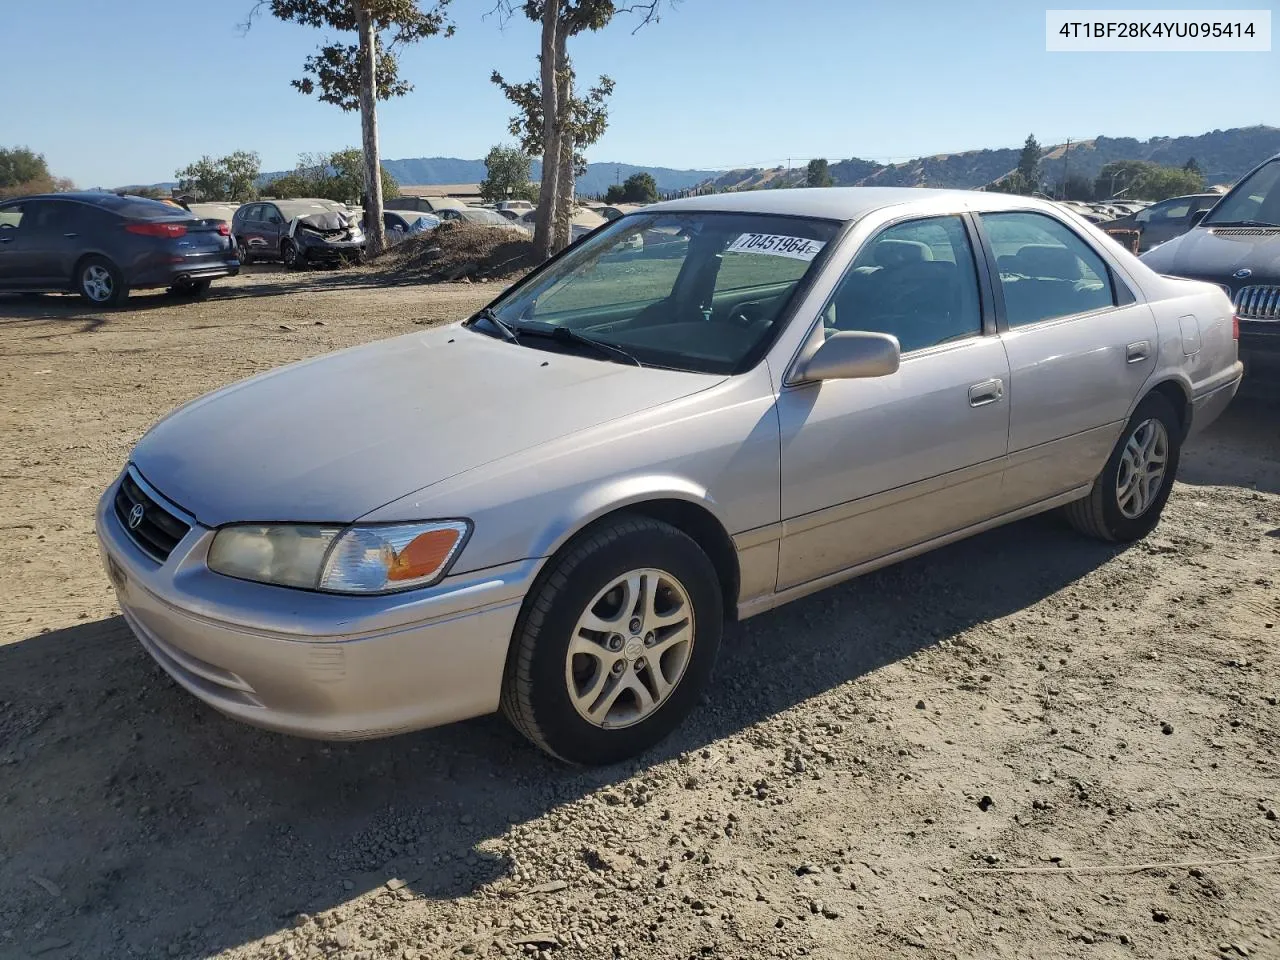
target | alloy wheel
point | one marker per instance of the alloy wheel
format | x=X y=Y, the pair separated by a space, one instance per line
x=1142 y=468
x=97 y=283
x=630 y=648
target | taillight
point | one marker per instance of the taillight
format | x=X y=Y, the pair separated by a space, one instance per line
x=1235 y=327
x=152 y=229
x=224 y=230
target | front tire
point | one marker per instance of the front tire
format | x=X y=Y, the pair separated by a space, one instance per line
x=291 y=256
x=1130 y=493
x=100 y=282
x=616 y=642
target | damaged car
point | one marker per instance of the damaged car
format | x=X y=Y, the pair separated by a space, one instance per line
x=298 y=233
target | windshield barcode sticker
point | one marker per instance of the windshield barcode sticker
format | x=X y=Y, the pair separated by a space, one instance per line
x=775 y=245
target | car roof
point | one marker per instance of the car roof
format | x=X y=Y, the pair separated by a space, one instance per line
x=846 y=203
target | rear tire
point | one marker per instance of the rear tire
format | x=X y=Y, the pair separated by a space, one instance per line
x=100 y=282
x=242 y=252
x=1128 y=497
x=663 y=591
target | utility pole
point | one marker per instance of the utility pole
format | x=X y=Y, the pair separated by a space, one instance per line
x=1066 y=157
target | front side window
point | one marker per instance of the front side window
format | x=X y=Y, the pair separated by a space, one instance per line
x=916 y=280
x=11 y=216
x=1046 y=271
x=1255 y=200
x=691 y=291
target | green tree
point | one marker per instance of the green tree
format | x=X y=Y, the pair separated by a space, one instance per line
x=1029 y=164
x=1192 y=167
x=615 y=194
x=230 y=178
x=507 y=175
x=23 y=171
x=564 y=123
x=817 y=173
x=1077 y=187
x=640 y=188
x=21 y=165
x=1141 y=180
x=329 y=176
x=355 y=76
x=1014 y=182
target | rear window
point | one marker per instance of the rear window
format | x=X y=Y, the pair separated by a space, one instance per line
x=139 y=208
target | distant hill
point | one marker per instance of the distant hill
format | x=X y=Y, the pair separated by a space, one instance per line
x=1223 y=155
x=429 y=170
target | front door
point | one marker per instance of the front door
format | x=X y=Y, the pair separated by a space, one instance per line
x=32 y=244
x=1080 y=349
x=873 y=466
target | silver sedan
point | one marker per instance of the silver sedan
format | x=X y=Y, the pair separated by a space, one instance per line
x=709 y=408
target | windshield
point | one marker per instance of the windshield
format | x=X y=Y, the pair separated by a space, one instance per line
x=1256 y=199
x=690 y=291
x=487 y=217
x=305 y=208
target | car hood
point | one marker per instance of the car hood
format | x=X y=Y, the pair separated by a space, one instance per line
x=333 y=438
x=1206 y=254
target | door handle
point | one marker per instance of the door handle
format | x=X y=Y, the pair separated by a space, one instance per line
x=988 y=391
x=71 y=234
x=1137 y=351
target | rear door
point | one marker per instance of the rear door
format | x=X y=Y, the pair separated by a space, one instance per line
x=1080 y=349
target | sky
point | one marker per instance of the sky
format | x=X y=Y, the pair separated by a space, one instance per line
x=115 y=93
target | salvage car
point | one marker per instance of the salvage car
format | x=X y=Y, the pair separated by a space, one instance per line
x=298 y=232
x=553 y=507
x=1237 y=247
x=1165 y=220
x=102 y=245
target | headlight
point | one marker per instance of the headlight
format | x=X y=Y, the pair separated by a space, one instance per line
x=377 y=558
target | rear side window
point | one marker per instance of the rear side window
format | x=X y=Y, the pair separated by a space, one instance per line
x=1046 y=271
x=139 y=208
x=916 y=280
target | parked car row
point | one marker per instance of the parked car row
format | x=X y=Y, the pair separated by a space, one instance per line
x=1236 y=245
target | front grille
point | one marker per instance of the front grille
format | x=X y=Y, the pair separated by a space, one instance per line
x=157 y=531
x=1260 y=301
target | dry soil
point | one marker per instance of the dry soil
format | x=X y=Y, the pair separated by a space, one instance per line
x=970 y=754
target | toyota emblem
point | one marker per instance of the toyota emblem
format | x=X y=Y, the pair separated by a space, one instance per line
x=135 y=516
x=1242 y=273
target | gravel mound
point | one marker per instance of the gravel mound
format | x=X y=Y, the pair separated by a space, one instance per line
x=456 y=251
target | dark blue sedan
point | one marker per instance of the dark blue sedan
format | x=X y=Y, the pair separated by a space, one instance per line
x=101 y=245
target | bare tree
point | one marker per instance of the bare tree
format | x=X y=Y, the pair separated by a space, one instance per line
x=356 y=76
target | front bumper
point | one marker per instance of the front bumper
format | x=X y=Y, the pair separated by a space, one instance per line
x=312 y=664
x=322 y=251
x=1260 y=349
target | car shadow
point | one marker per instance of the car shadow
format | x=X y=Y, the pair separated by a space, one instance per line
x=1241 y=448
x=135 y=817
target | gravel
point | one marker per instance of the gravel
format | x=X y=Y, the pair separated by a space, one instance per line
x=815 y=804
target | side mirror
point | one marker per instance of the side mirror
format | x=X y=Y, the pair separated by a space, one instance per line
x=1198 y=216
x=850 y=355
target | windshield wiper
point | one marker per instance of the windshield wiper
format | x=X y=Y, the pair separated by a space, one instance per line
x=565 y=335
x=507 y=331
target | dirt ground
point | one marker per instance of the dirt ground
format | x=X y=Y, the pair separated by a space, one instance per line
x=970 y=754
